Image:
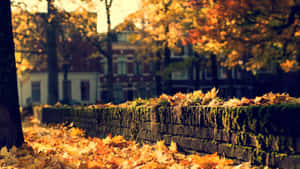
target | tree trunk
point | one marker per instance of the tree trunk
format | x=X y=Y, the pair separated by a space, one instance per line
x=10 y=121
x=230 y=89
x=297 y=92
x=167 y=82
x=66 y=89
x=109 y=55
x=52 y=55
x=214 y=70
x=197 y=71
x=158 y=74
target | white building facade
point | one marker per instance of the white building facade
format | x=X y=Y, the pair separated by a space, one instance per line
x=82 y=87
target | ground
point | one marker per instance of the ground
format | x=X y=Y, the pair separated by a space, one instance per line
x=64 y=146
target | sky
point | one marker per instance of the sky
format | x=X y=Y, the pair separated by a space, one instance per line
x=120 y=9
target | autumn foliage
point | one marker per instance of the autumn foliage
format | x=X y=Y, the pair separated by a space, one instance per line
x=253 y=34
x=64 y=146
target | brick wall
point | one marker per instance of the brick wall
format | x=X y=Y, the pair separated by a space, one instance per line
x=264 y=135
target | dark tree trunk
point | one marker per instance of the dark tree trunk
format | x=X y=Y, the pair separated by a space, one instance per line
x=167 y=82
x=109 y=54
x=158 y=75
x=10 y=121
x=297 y=92
x=197 y=71
x=230 y=89
x=214 y=70
x=66 y=89
x=52 y=55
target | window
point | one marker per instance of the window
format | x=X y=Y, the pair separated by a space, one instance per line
x=138 y=68
x=118 y=94
x=239 y=92
x=123 y=37
x=239 y=74
x=122 y=65
x=180 y=75
x=142 y=92
x=152 y=67
x=236 y=74
x=105 y=66
x=222 y=73
x=208 y=74
x=153 y=92
x=201 y=73
x=105 y=96
x=85 y=90
x=36 y=91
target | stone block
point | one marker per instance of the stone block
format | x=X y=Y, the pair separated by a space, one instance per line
x=190 y=131
x=144 y=135
x=251 y=141
x=197 y=132
x=163 y=128
x=116 y=123
x=297 y=145
x=271 y=160
x=242 y=153
x=170 y=129
x=178 y=130
x=176 y=139
x=147 y=133
x=184 y=142
x=125 y=123
x=153 y=137
x=226 y=150
x=210 y=147
x=234 y=138
x=297 y=162
x=155 y=128
x=275 y=144
x=118 y=131
x=196 y=144
x=204 y=133
x=218 y=134
x=146 y=125
x=226 y=136
x=167 y=138
x=288 y=162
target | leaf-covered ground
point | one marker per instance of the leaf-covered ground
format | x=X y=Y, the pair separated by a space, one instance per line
x=62 y=146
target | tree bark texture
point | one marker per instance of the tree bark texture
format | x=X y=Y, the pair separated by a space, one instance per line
x=109 y=56
x=10 y=121
x=52 y=55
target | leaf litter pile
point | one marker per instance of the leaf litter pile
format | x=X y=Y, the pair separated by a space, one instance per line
x=210 y=98
x=66 y=147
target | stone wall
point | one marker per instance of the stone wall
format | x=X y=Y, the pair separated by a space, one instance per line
x=264 y=135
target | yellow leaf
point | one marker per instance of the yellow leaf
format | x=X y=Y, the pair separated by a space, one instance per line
x=4 y=151
x=160 y=146
x=288 y=65
x=173 y=147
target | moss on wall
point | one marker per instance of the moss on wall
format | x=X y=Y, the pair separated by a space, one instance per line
x=261 y=134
